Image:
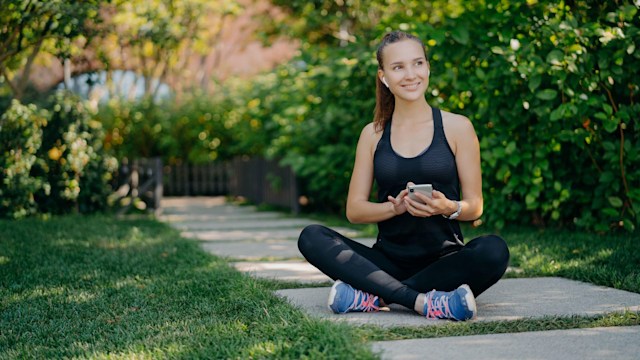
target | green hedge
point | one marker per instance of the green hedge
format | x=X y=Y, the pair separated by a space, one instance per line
x=21 y=139
x=552 y=90
x=52 y=159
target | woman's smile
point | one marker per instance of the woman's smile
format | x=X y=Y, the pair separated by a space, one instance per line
x=412 y=86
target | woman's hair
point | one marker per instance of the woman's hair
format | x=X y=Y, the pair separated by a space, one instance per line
x=385 y=102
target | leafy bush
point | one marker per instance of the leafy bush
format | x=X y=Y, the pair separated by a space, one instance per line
x=20 y=138
x=552 y=91
x=320 y=106
x=53 y=161
x=198 y=130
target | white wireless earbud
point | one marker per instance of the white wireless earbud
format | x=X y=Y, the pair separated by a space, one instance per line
x=428 y=72
x=384 y=81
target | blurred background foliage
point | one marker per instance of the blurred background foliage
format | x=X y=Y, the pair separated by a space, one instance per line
x=551 y=88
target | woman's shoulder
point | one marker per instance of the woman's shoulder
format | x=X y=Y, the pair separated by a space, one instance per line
x=370 y=135
x=370 y=131
x=456 y=122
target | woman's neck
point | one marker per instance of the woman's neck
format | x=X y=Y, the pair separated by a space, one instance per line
x=411 y=112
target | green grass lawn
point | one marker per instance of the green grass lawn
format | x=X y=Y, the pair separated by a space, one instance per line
x=97 y=287
x=609 y=260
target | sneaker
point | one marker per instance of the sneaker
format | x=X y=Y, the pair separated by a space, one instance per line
x=459 y=304
x=343 y=298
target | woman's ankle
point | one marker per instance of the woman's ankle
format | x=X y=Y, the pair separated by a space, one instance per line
x=418 y=306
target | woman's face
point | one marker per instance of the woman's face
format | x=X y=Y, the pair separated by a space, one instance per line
x=405 y=69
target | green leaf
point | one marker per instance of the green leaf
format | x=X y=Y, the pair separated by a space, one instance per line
x=461 y=34
x=557 y=114
x=610 y=124
x=547 y=94
x=629 y=11
x=615 y=201
x=555 y=57
x=534 y=82
x=497 y=50
x=606 y=177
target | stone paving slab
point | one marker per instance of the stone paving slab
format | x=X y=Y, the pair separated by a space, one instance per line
x=291 y=270
x=204 y=217
x=509 y=299
x=246 y=223
x=252 y=250
x=253 y=234
x=202 y=205
x=620 y=343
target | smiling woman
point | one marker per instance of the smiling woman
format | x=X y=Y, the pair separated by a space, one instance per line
x=419 y=246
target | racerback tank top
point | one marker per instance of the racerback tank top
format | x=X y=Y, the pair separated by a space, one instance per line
x=405 y=237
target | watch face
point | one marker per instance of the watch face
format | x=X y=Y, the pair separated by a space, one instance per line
x=457 y=212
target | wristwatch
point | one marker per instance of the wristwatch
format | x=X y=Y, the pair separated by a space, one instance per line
x=455 y=213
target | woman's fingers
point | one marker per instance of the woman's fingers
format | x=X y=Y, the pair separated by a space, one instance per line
x=418 y=209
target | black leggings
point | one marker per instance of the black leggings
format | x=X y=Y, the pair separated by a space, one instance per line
x=479 y=264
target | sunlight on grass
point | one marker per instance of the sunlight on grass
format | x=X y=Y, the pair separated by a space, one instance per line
x=80 y=297
x=111 y=288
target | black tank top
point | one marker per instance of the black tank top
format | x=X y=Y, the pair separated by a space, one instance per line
x=405 y=237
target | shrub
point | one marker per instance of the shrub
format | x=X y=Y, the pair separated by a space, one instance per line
x=72 y=159
x=20 y=139
x=552 y=90
x=319 y=106
x=53 y=161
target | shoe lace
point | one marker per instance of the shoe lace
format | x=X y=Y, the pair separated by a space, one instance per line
x=364 y=302
x=438 y=306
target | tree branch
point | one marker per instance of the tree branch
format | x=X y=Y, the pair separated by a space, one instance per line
x=9 y=82
x=621 y=155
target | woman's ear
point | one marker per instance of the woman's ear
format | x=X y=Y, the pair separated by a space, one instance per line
x=381 y=77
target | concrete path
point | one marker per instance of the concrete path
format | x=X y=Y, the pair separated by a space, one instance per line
x=619 y=343
x=509 y=299
x=263 y=244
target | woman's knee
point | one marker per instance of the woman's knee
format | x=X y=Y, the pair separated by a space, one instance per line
x=493 y=251
x=310 y=236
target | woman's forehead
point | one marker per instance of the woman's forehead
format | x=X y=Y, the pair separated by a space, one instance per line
x=402 y=51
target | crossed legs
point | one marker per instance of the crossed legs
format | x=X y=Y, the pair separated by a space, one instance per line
x=480 y=264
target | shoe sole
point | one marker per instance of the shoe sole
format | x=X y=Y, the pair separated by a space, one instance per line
x=332 y=295
x=471 y=301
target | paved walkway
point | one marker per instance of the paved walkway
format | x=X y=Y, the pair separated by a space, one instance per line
x=264 y=245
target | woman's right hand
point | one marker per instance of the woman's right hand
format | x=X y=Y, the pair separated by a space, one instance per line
x=398 y=202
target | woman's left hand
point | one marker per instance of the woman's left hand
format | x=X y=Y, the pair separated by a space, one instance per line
x=438 y=204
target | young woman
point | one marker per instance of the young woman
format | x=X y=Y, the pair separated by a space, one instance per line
x=419 y=259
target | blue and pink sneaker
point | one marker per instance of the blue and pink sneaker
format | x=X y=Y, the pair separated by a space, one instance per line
x=343 y=298
x=459 y=304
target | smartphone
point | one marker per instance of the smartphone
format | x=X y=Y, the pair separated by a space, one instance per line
x=425 y=189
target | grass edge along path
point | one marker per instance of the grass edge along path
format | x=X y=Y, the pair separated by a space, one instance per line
x=373 y=333
x=100 y=287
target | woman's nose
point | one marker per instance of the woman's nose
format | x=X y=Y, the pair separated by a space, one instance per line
x=410 y=73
